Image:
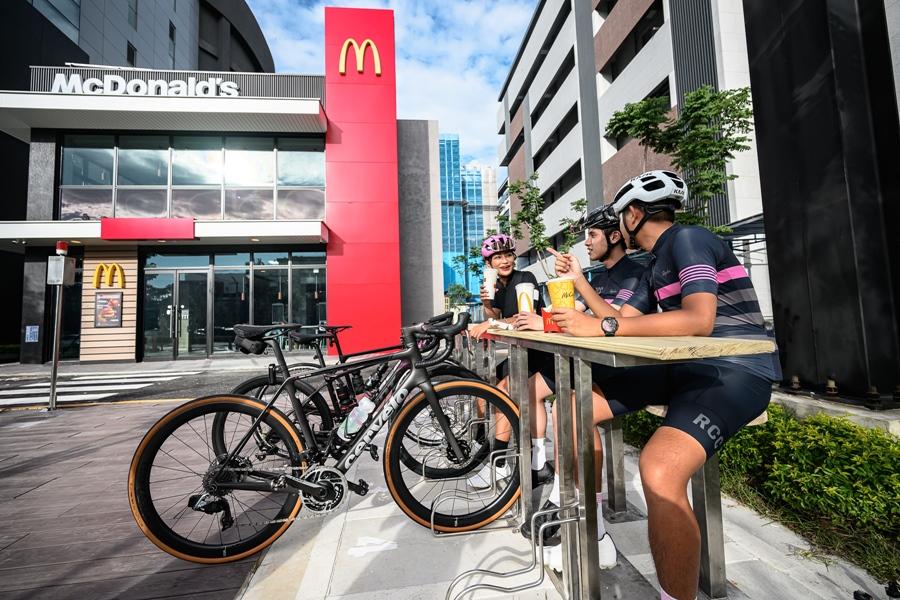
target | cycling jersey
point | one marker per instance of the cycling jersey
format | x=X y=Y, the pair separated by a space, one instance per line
x=687 y=260
x=505 y=296
x=617 y=285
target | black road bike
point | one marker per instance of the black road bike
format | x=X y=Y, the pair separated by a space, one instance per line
x=220 y=478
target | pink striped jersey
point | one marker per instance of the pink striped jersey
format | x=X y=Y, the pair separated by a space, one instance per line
x=617 y=285
x=689 y=260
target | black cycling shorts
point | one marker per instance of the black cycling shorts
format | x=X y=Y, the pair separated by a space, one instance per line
x=538 y=362
x=708 y=401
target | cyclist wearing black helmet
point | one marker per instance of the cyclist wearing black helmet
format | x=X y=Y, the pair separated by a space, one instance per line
x=703 y=290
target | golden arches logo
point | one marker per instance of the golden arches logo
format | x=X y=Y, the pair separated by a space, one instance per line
x=112 y=272
x=360 y=51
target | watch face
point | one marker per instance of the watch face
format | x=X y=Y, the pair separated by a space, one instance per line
x=609 y=325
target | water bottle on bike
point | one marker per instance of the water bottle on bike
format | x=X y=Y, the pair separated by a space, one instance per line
x=356 y=419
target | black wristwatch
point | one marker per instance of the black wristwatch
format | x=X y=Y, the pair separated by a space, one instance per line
x=609 y=325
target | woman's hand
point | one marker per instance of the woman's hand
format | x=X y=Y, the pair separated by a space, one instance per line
x=486 y=300
x=566 y=265
x=476 y=331
x=529 y=321
x=576 y=323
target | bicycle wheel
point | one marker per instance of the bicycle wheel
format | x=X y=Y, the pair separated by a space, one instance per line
x=442 y=476
x=317 y=413
x=174 y=476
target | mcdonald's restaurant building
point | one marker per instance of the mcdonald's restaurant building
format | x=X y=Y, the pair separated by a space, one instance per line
x=193 y=201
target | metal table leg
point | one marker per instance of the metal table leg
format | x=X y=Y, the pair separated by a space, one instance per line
x=518 y=391
x=614 y=456
x=562 y=429
x=587 y=526
x=479 y=358
x=491 y=363
x=706 y=492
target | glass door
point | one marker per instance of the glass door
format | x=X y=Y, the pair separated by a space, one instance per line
x=175 y=314
x=159 y=316
x=191 y=317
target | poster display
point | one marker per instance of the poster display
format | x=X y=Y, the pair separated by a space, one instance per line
x=108 y=309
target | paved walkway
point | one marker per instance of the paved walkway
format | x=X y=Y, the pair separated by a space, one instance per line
x=66 y=530
x=369 y=550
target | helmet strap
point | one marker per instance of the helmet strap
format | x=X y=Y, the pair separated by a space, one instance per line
x=609 y=244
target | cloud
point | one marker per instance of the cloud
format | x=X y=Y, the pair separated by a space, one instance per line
x=452 y=57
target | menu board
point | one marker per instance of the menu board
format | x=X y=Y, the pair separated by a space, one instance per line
x=108 y=309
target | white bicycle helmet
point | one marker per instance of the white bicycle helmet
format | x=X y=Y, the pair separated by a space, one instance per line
x=655 y=191
x=653 y=187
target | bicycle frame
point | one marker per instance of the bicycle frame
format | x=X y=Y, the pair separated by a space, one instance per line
x=416 y=377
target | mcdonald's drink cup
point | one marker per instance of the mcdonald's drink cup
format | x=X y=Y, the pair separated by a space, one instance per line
x=490 y=281
x=562 y=292
x=525 y=297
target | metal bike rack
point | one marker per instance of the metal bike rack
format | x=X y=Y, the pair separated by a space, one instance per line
x=537 y=559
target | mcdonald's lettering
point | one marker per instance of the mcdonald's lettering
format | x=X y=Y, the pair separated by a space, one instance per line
x=360 y=51
x=111 y=272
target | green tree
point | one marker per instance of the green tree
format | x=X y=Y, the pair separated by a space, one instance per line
x=710 y=127
x=573 y=226
x=529 y=219
x=458 y=294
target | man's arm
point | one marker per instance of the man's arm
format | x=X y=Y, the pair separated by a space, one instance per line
x=696 y=317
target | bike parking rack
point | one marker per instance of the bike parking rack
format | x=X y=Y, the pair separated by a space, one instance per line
x=537 y=558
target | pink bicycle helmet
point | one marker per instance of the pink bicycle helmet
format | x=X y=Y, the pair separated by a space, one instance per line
x=497 y=243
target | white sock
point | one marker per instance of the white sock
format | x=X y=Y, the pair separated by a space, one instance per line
x=554 y=491
x=601 y=526
x=538 y=453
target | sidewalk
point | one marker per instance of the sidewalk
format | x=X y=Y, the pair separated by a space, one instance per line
x=224 y=362
x=369 y=550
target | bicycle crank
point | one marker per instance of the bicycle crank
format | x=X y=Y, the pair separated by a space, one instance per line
x=335 y=484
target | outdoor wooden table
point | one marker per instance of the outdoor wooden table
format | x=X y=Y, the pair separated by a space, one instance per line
x=581 y=577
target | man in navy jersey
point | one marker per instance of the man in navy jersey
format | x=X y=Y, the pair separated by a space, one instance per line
x=701 y=289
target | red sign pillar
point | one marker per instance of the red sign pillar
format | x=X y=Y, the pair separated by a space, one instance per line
x=363 y=252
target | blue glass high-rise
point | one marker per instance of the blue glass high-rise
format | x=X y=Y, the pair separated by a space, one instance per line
x=462 y=221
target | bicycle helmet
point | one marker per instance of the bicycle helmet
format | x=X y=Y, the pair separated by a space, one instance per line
x=605 y=219
x=654 y=191
x=497 y=243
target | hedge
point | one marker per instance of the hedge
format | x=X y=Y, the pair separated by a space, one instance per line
x=832 y=481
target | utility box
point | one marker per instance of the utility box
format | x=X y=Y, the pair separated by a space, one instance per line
x=60 y=271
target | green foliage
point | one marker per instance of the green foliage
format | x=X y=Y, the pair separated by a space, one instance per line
x=711 y=126
x=832 y=481
x=573 y=227
x=457 y=294
x=503 y=224
x=529 y=220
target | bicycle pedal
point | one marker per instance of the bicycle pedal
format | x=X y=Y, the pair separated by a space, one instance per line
x=360 y=489
x=373 y=452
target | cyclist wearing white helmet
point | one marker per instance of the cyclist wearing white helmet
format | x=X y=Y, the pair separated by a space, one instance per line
x=701 y=289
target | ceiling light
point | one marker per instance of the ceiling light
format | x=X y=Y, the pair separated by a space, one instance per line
x=254 y=239
x=76 y=241
x=161 y=241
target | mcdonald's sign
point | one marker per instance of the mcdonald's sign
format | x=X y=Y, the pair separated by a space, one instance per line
x=111 y=272
x=360 y=51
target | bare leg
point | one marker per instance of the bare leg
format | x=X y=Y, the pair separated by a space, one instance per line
x=537 y=392
x=667 y=463
x=602 y=413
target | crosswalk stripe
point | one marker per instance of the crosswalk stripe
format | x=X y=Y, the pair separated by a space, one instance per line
x=98 y=381
x=66 y=398
x=74 y=389
x=136 y=374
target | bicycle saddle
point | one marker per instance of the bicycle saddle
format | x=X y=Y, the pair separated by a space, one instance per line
x=257 y=332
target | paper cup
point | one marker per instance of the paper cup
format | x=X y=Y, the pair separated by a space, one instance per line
x=549 y=326
x=525 y=297
x=562 y=292
x=490 y=281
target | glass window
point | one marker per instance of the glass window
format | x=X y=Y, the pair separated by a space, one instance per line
x=249 y=161
x=85 y=203
x=141 y=203
x=130 y=55
x=87 y=160
x=170 y=261
x=307 y=258
x=172 y=43
x=234 y=259
x=308 y=296
x=301 y=204
x=133 y=13
x=301 y=162
x=70 y=347
x=197 y=160
x=203 y=205
x=249 y=205
x=231 y=306
x=270 y=296
x=270 y=258
x=143 y=160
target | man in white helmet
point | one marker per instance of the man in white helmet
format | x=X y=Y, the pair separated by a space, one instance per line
x=700 y=288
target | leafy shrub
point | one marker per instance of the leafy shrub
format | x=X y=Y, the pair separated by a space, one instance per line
x=833 y=481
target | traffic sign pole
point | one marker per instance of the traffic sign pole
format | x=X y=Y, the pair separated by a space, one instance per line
x=58 y=280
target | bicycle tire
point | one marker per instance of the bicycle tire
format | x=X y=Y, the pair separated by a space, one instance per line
x=163 y=535
x=399 y=485
x=314 y=406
